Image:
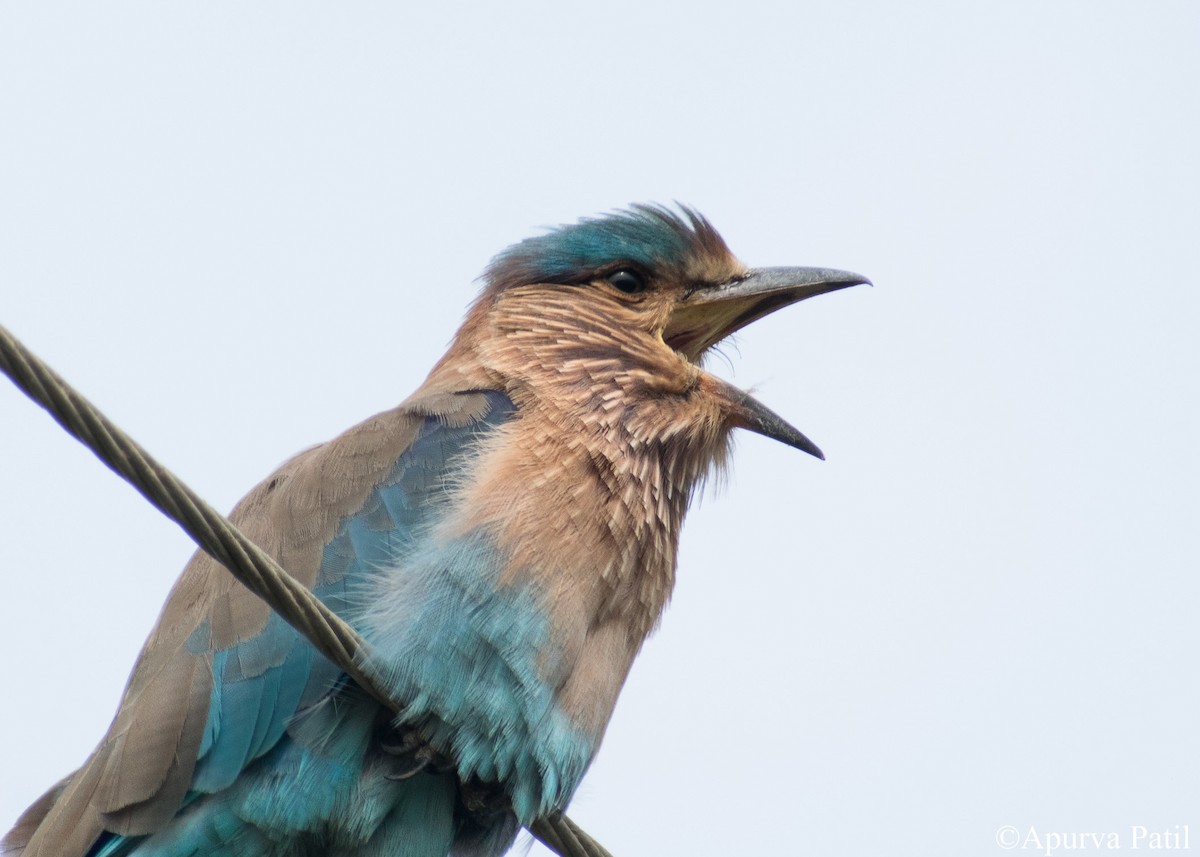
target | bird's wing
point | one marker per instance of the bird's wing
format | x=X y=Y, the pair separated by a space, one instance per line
x=221 y=675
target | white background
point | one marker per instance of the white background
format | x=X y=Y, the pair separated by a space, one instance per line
x=241 y=227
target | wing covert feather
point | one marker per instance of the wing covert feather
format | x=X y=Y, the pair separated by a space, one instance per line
x=215 y=641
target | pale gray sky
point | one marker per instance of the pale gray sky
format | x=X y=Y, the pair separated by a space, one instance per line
x=241 y=228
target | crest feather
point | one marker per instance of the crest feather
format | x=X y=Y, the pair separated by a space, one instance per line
x=651 y=237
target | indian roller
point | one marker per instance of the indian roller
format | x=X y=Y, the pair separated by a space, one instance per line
x=504 y=539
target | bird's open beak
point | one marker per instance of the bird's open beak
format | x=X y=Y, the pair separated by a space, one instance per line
x=710 y=313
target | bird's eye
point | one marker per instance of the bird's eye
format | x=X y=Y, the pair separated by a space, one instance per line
x=627 y=281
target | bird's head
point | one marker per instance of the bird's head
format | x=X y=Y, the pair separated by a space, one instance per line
x=639 y=296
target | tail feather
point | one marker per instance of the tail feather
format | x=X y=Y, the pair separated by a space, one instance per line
x=16 y=839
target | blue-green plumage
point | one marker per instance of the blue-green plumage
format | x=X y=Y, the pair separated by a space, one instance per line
x=467 y=655
x=645 y=236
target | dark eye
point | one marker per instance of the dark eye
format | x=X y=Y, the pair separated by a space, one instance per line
x=627 y=281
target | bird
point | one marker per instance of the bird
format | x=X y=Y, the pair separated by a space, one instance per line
x=504 y=539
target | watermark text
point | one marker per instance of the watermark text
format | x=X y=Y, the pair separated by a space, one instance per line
x=1135 y=837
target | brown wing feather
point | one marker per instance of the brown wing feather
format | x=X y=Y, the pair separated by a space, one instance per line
x=137 y=777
